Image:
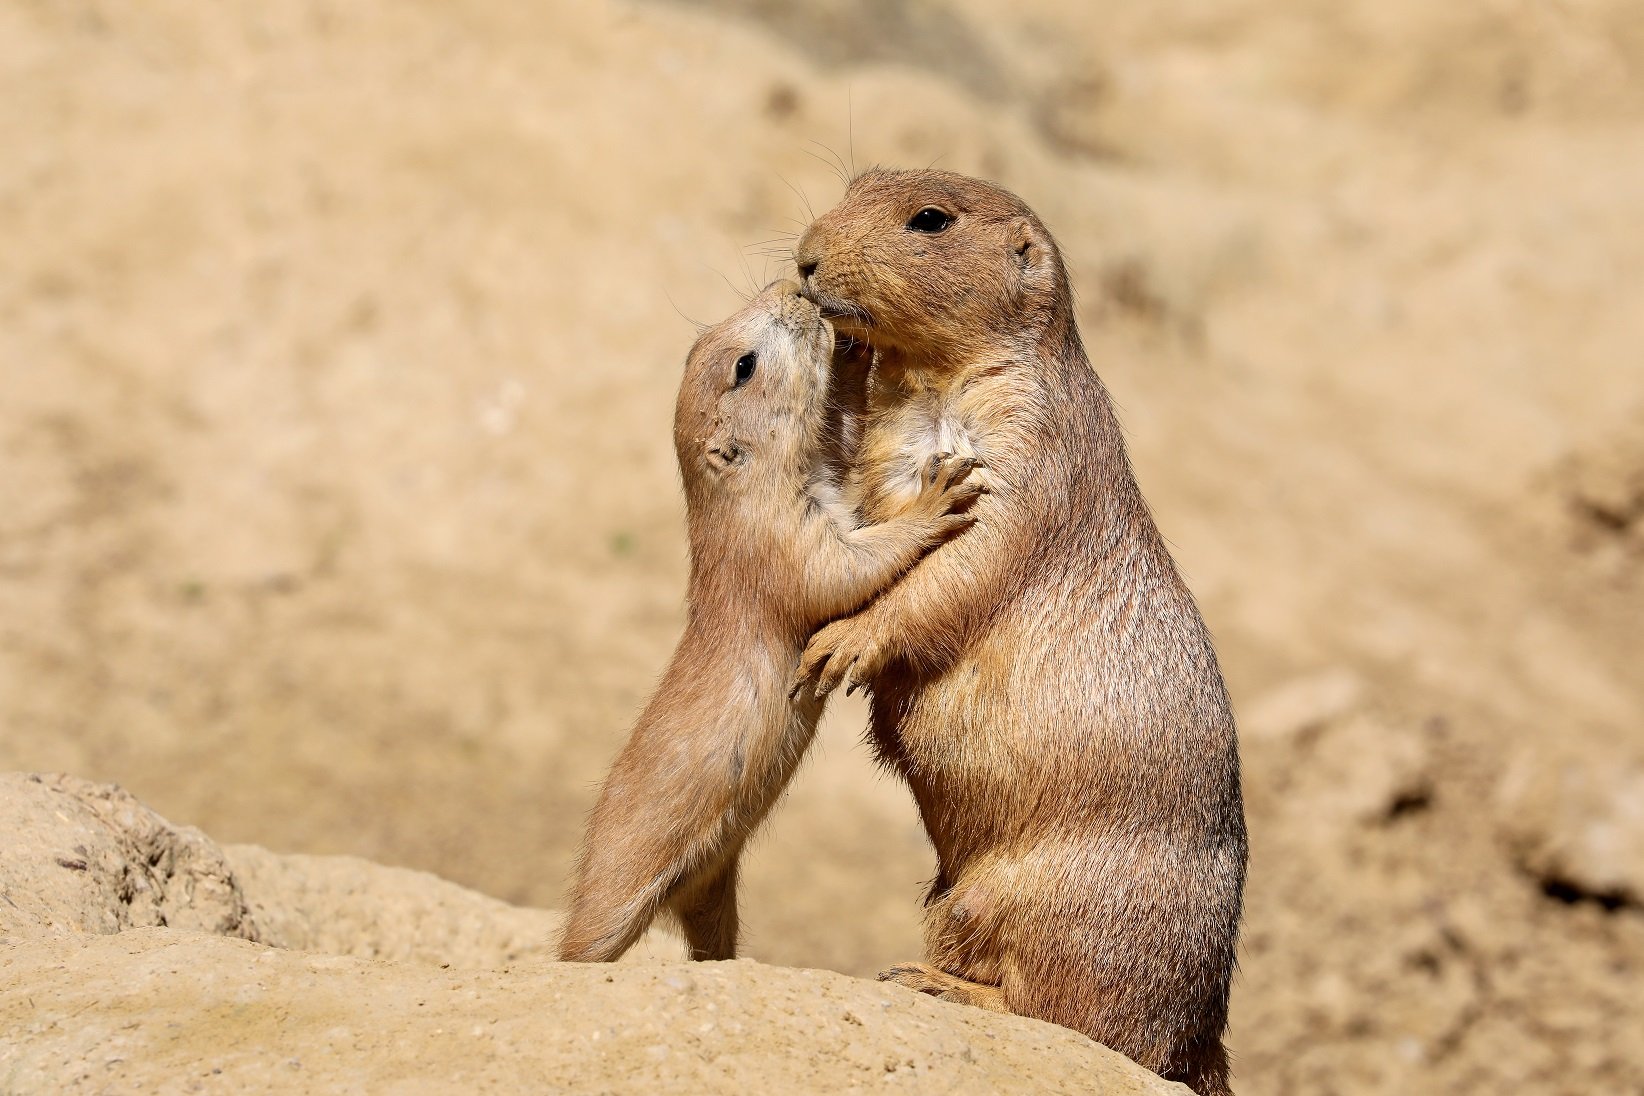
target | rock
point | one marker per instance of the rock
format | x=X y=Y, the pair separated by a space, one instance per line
x=1577 y=825
x=1366 y=770
x=88 y=857
x=1301 y=705
x=84 y=857
x=1604 y=489
x=1333 y=761
x=152 y=1010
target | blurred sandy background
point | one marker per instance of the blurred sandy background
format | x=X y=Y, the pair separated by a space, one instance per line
x=339 y=341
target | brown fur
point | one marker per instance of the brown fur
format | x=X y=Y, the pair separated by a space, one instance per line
x=1044 y=683
x=774 y=553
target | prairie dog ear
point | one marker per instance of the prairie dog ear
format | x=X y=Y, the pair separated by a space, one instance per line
x=1029 y=269
x=1028 y=245
x=724 y=454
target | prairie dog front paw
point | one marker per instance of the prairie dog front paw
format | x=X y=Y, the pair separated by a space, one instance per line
x=947 y=492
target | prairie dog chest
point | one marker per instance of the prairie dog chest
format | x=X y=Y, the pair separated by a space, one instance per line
x=897 y=444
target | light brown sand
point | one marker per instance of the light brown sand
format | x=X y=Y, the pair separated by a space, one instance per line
x=338 y=344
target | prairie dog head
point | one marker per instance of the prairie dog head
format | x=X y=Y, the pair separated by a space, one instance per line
x=933 y=264
x=754 y=397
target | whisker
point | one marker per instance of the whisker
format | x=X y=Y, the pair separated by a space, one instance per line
x=800 y=194
x=824 y=161
x=743 y=297
x=836 y=164
x=850 y=127
x=698 y=324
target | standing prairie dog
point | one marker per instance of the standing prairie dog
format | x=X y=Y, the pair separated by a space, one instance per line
x=1045 y=683
x=774 y=554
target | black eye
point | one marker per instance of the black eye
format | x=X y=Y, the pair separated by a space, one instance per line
x=930 y=219
x=744 y=368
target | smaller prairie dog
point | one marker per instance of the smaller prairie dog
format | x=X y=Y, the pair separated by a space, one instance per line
x=774 y=555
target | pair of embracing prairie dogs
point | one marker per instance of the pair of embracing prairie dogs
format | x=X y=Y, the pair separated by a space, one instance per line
x=948 y=499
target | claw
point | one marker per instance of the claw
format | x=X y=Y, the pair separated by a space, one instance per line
x=937 y=463
x=963 y=467
x=831 y=678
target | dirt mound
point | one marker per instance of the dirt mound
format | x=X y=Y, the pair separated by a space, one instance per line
x=158 y=1011
x=98 y=994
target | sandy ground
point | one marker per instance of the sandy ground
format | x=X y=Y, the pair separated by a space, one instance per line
x=338 y=345
x=160 y=1011
x=140 y=956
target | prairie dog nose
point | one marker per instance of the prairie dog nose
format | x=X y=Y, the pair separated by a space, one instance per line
x=806 y=255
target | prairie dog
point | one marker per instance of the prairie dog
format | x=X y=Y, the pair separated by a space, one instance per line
x=774 y=553
x=1045 y=683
